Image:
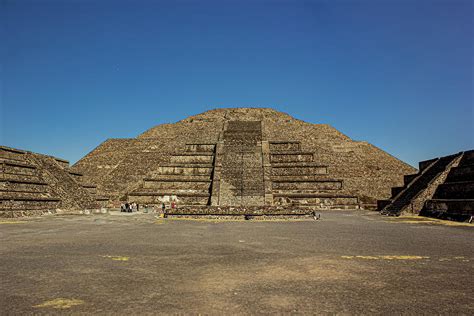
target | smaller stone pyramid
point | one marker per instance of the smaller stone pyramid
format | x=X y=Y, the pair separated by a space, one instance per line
x=33 y=184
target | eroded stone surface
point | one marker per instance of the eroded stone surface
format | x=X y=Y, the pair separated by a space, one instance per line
x=295 y=149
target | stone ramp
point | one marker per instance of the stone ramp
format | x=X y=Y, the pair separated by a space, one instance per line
x=443 y=188
x=404 y=199
x=241 y=181
x=454 y=198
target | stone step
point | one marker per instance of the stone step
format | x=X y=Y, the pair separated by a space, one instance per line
x=291 y=157
x=20 y=170
x=298 y=169
x=179 y=178
x=315 y=199
x=455 y=190
x=314 y=195
x=20 y=195
x=322 y=190
x=185 y=165
x=307 y=185
x=461 y=173
x=91 y=189
x=192 y=154
x=294 y=178
x=325 y=206
x=297 y=164
x=381 y=204
x=184 y=169
x=12 y=177
x=17 y=163
x=12 y=154
x=467 y=159
x=192 y=159
x=76 y=176
x=422 y=165
x=408 y=178
x=177 y=185
x=27 y=187
x=396 y=190
x=291 y=173
x=457 y=209
x=29 y=204
x=317 y=179
x=11 y=197
x=181 y=199
x=200 y=148
x=240 y=130
x=277 y=146
x=162 y=193
x=37 y=189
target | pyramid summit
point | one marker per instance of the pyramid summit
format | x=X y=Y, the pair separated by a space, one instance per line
x=243 y=157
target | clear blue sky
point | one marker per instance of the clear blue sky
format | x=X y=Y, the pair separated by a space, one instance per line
x=398 y=74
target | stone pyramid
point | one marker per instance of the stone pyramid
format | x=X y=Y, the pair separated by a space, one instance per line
x=34 y=184
x=443 y=188
x=243 y=157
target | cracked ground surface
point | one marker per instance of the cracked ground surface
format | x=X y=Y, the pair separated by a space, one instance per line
x=348 y=262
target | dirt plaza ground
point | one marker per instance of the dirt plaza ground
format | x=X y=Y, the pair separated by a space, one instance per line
x=348 y=262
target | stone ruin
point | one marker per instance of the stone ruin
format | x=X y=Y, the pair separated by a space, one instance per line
x=243 y=158
x=33 y=184
x=238 y=161
x=443 y=188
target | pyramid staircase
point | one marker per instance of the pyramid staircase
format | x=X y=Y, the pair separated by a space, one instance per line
x=297 y=180
x=242 y=170
x=454 y=199
x=418 y=187
x=241 y=180
x=186 y=179
x=32 y=184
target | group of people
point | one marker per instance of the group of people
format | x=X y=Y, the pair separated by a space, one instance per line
x=135 y=207
x=130 y=207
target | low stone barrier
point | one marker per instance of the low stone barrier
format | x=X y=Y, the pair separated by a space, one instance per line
x=238 y=212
